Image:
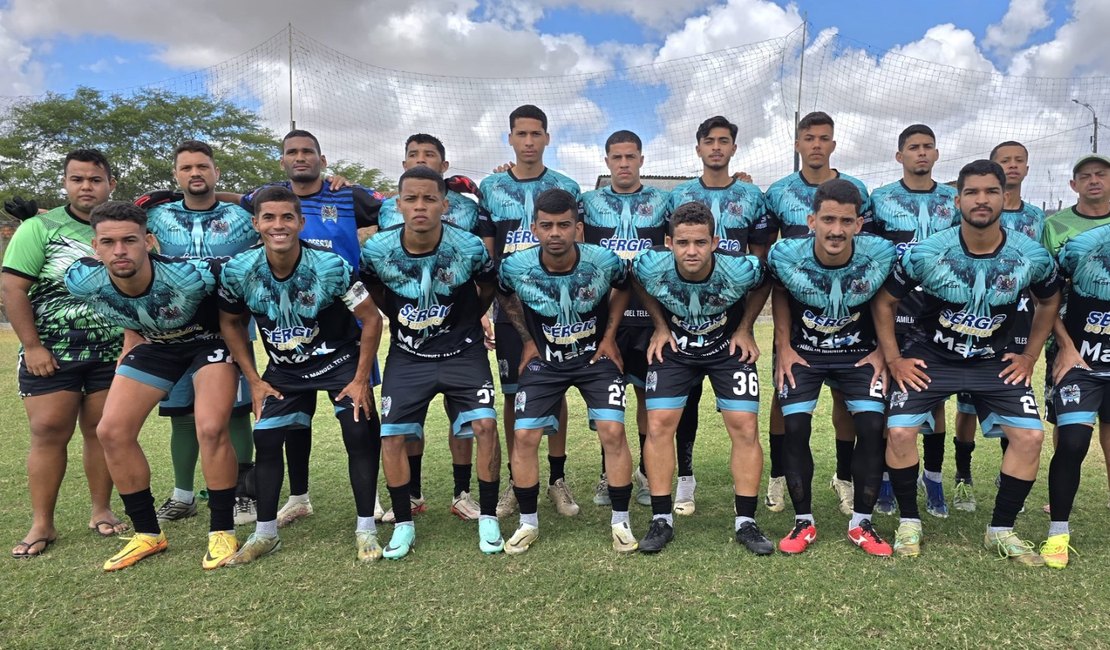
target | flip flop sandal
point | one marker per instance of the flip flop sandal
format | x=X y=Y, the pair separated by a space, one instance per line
x=112 y=524
x=26 y=547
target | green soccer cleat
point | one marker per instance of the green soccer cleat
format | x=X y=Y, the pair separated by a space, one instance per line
x=1009 y=545
x=404 y=538
x=489 y=536
x=907 y=539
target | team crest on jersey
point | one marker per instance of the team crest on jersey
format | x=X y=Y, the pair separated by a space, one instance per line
x=735 y=208
x=219 y=226
x=306 y=298
x=645 y=210
x=898 y=399
x=1005 y=283
x=521 y=401
x=503 y=367
x=651 y=380
x=445 y=275
x=330 y=213
x=1070 y=394
x=860 y=286
x=387 y=403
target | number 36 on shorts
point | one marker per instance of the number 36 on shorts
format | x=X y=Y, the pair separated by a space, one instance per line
x=747 y=384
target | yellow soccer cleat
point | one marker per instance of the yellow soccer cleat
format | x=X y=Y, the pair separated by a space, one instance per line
x=140 y=545
x=221 y=546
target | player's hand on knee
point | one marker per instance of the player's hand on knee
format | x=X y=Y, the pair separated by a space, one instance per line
x=909 y=373
x=362 y=398
x=260 y=391
x=1067 y=358
x=879 y=376
x=489 y=337
x=660 y=339
x=528 y=352
x=744 y=343
x=1020 y=370
x=39 y=361
x=607 y=349
x=785 y=360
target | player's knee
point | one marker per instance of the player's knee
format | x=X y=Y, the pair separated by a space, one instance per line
x=1074 y=440
x=483 y=429
x=612 y=437
x=1027 y=440
x=527 y=439
x=210 y=432
x=394 y=445
x=902 y=437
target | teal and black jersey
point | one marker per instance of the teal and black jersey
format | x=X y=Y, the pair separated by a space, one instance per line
x=830 y=307
x=1085 y=260
x=1028 y=220
x=462 y=211
x=701 y=315
x=305 y=318
x=507 y=207
x=737 y=208
x=566 y=313
x=626 y=224
x=790 y=200
x=970 y=300
x=430 y=299
x=178 y=307
x=222 y=231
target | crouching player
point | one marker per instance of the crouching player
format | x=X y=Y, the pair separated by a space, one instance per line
x=824 y=332
x=168 y=309
x=703 y=302
x=305 y=301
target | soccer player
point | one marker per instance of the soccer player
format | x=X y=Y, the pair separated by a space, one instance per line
x=338 y=218
x=68 y=352
x=305 y=300
x=167 y=307
x=505 y=214
x=426 y=150
x=737 y=208
x=905 y=213
x=789 y=202
x=972 y=278
x=823 y=331
x=200 y=227
x=627 y=217
x=704 y=300
x=557 y=296
x=436 y=281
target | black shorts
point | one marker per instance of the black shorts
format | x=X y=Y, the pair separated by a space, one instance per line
x=1082 y=396
x=86 y=377
x=996 y=403
x=508 y=349
x=181 y=398
x=163 y=365
x=542 y=388
x=860 y=395
x=668 y=384
x=410 y=383
x=298 y=391
x=633 y=344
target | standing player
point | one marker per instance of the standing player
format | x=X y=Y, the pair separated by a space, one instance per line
x=704 y=300
x=505 y=216
x=626 y=217
x=305 y=301
x=436 y=281
x=737 y=208
x=906 y=212
x=168 y=309
x=972 y=279
x=557 y=296
x=67 y=351
x=823 y=331
x=789 y=202
x=200 y=227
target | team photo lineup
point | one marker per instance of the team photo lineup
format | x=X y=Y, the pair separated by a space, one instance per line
x=897 y=299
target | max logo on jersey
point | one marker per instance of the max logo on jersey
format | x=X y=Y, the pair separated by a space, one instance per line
x=566 y=334
x=1098 y=322
x=971 y=324
x=329 y=213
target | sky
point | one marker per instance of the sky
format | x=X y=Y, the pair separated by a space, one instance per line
x=57 y=45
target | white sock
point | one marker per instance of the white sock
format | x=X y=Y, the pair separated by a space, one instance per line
x=905 y=520
x=532 y=520
x=995 y=530
x=685 y=489
x=934 y=476
x=857 y=518
x=886 y=477
x=1058 y=528
x=669 y=518
x=808 y=517
x=298 y=498
x=740 y=522
x=266 y=528
x=366 y=524
x=618 y=518
x=184 y=496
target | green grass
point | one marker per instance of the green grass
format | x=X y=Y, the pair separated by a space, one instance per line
x=570 y=590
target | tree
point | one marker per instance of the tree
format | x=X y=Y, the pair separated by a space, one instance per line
x=359 y=174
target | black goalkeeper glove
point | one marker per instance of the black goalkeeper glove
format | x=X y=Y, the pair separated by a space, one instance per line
x=158 y=197
x=21 y=208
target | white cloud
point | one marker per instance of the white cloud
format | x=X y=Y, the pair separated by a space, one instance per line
x=19 y=75
x=1078 y=46
x=1022 y=18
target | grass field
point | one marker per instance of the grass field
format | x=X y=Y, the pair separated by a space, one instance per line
x=570 y=590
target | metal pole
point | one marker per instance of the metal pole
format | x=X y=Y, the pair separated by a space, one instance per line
x=292 y=122
x=1094 y=136
x=798 y=107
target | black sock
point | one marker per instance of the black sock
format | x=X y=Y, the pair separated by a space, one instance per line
x=269 y=470
x=1011 y=497
x=933 y=452
x=798 y=461
x=963 y=458
x=620 y=497
x=221 y=506
x=1065 y=468
x=867 y=461
x=462 y=475
x=558 y=465
x=527 y=498
x=415 y=464
x=298 y=450
x=245 y=486
x=603 y=462
x=399 y=498
x=904 y=484
x=661 y=505
x=139 y=506
x=745 y=506
x=643 y=439
x=487 y=497
x=363 y=443
x=845 y=449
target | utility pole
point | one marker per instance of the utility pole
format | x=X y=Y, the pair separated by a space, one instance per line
x=1094 y=136
x=798 y=108
x=292 y=122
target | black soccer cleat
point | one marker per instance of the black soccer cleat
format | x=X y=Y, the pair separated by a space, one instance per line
x=659 y=534
x=753 y=539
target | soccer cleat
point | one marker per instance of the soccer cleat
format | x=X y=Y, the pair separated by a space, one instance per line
x=907 y=539
x=754 y=540
x=798 y=539
x=489 y=536
x=659 y=534
x=506 y=503
x=623 y=539
x=140 y=545
x=684 y=496
x=464 y=507
x=366 y=541
x=963 y=498
x=601 y=492
x=845 y=494
x=885 y=504
x=416 y=503
x=1055 y=551
x=246 y=510
x=776 y=494
x=522 y=539
x=561 y=497
x=292 y=511
x=642 y=491
x=379 y=512
x=404 y=538
x=256 y=546
x=174 y=510
x=865 y=537
x=934 y=497
x=221 y=546
x=1009 y=545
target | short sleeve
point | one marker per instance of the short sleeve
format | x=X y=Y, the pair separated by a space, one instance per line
x=26 y=252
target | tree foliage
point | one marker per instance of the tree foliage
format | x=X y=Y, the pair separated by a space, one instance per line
x=359 y=174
